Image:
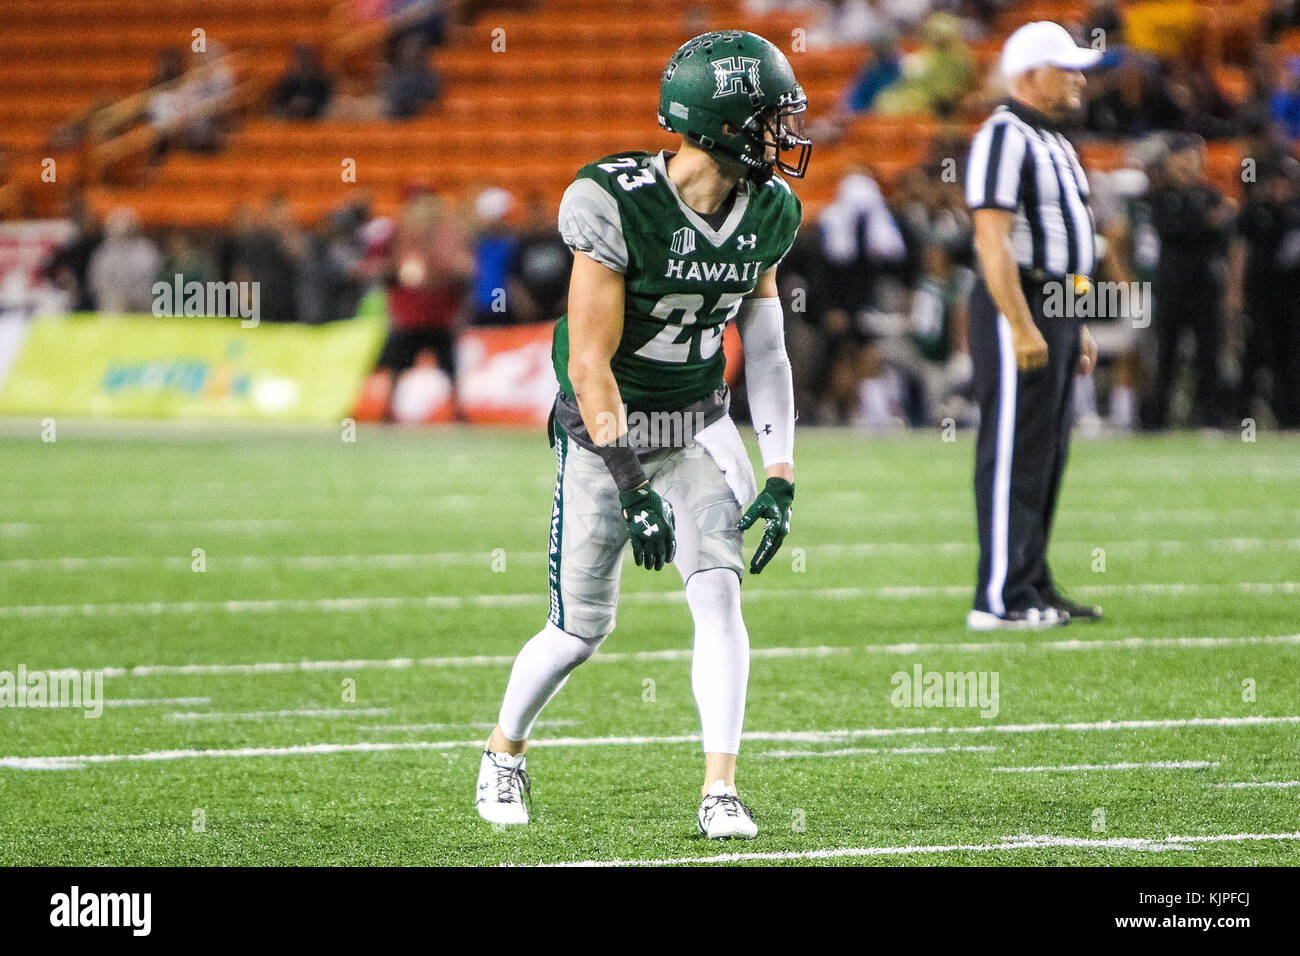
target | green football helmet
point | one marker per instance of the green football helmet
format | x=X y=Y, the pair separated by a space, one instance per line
x=734 y=95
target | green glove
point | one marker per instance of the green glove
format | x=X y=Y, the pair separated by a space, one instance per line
x=650 y=527
x=773 y=504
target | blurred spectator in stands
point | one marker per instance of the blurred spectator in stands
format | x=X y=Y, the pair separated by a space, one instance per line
x=905 y=14
x=207 y=91
x=859 y=241
x=1282 y=15
x=409 y=83
x=1139 y=96
x=1257 y=109
x=539 y=279
x=233 y=238
x=269 y=254
x=925 y=362
x=182 y=257
x=166 y=102
x=1130 y=254
x=345 y=254
x=1191 y=217
x=1262 y=298
x=1201 y=106
x=1285 y=106
x=930 y=211
x=881 y=70
x=1267 y=144
x=356 y=101
x=803 y=299
x=846 y=23
x=69 y=266
x=122 y=269
x=304 y=90
x=428 y=20
x=432 y=270
x=1121 y=102
x=312 y=278
x=1104 y=25
x=495 y=245
x=938 y=76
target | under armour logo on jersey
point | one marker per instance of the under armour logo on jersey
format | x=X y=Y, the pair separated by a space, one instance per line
x=737 y=74
x=647 y=529
x=684 y=241
x=747 y=242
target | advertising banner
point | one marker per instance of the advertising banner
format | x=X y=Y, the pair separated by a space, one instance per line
x=504 y=375
x=142 y=366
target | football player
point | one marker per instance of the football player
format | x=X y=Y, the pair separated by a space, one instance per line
x=668 y=248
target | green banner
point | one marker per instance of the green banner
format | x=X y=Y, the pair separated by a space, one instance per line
x=141 y=366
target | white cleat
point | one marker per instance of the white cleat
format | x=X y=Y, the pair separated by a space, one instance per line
x=502 y=788
x=724 y=817
x=1034 y=619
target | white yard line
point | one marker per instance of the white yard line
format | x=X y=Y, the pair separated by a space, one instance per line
x=401 y=518
x=449 y=602
x=854 y=751
x=322 y=713
x=445 y=725
x=1259 y=783
x=158 y=702
x=1081 y=767
x=394 y=562
x=684 y=654
x=1136 y=844
x=68 y=762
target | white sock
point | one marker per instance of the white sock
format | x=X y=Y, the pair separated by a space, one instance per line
x=720 y=661
x=1085 y=397
x=876 y=402
x=1123 y=407
x=540 y=670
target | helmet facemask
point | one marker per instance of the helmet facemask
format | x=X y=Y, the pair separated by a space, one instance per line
x=782 y=128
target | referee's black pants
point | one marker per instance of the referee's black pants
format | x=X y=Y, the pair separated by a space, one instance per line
x=1023 y=443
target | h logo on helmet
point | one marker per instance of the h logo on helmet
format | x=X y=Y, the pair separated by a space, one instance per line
x=737 y=74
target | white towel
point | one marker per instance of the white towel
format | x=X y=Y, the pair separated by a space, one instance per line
x=727 y=449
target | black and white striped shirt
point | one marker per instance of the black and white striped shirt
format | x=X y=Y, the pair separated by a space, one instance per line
x=1019 y=161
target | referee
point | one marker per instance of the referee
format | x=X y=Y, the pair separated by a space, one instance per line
x=1034 y=239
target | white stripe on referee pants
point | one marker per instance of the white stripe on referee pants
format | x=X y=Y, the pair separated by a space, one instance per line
x=1006 y=439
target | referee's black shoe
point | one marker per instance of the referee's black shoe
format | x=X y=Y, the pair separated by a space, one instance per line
x=1077 y=612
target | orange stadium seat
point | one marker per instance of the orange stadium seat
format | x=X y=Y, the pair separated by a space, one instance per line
x=577 y=79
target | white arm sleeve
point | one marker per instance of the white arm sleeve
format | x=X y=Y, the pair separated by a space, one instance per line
x=767 y=378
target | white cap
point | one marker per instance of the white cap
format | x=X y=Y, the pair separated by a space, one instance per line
x=1044 y=43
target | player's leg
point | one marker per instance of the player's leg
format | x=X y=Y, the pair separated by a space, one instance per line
x=1169 y=327
x=709 y=559
x=584 y=560
x=1014 y=452
x=1064 y=361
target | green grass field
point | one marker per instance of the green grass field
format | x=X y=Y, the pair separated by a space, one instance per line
x=412 y=563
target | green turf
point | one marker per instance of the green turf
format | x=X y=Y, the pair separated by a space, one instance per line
x=287 y=517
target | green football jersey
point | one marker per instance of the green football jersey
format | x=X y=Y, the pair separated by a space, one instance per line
x=684 y=280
